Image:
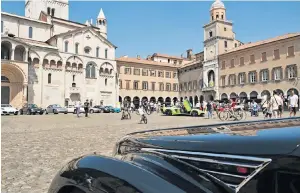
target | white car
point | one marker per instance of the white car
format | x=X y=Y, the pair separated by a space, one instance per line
x=72 y=109
x=7 y=109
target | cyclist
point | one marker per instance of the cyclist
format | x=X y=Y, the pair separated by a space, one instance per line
x=141 y=113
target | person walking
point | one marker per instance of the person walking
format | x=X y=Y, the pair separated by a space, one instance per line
x=86 y=107
x=275 y=101
x=77 y=106
x=293 y=103
x=209 y=109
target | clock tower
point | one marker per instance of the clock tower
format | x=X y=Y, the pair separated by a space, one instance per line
x=218 y=38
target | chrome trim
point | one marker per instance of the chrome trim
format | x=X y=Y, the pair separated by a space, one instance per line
x=263 y=163
x=214 y=161
x=211 y=154
x=221 y=173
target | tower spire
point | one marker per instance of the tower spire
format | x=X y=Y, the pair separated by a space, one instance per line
x=101 y=14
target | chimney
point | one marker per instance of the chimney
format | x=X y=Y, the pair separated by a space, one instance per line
x=138 y=57
x=189 y=54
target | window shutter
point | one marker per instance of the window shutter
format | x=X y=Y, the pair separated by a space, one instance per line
x=234 y=79
x=268 y=77
x=273 y=78
x=296 y=70
x=281 y=73
x=249 y=79
x=287 y=72
x=260 y=75
x=255 y=76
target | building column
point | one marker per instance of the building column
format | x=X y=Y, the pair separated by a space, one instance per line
x=12 y=54
x=24 y=93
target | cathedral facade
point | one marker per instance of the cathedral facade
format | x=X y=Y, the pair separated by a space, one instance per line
x=48 y=59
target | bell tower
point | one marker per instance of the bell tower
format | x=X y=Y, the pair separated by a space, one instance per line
x=54 y=8
x=102 y=23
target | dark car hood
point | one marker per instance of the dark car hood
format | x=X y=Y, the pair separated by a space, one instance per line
x=37 y=109
x=274 y=141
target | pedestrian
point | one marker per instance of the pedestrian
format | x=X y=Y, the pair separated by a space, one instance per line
x=280 y=107
x=293 y=103
x=77 y=106
x=209 y=109
x=268 y=110
x=275 y=101
x=86 y=107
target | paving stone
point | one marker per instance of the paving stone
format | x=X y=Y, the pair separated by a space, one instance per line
x=35 y=147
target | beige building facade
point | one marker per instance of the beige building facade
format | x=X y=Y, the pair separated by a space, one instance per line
x=152 y=79
x=256 y=69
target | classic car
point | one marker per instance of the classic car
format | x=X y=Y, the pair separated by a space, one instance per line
x=72 y=109
x=31 y=109
x=241 y=157
x=111 y=109
x=7 y=109
x=185 y=109
x=95 y=109
x=55 y=109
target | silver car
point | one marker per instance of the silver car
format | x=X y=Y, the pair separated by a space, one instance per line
x=56 y=109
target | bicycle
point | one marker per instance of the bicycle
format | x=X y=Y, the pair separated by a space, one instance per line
x=125 y=116
x=231 y=113
x=144 y=119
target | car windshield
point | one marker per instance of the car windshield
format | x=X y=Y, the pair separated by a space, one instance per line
x=56 y=105
x=6 y=105
x=34 y=106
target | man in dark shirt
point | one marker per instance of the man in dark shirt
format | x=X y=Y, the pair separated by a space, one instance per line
x=86 y=107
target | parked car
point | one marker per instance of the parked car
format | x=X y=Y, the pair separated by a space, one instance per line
x=94 y=110
x=72 y=109
x=100 y=107
x=7 y=109
x=241 y=157
x=111 y=109
x=55 y=109
x=31 y=109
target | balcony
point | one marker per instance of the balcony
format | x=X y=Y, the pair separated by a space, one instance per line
x=74 y=90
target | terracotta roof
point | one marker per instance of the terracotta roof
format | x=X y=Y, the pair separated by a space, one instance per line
x=166 y=56
x=250 y=45
x=36 y=43
x=143 y=61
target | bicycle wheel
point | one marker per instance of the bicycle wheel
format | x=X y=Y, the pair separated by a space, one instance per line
x=223 y=115
x=239 y=115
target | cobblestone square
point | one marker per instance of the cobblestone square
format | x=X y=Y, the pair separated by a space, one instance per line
x=35 y=147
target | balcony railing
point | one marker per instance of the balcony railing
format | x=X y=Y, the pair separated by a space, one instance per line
x=74 y=90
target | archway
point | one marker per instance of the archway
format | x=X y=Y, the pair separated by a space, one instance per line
x=253 y=95
x=161 y=100
x=196 y=100
x=211 y=97
x=153 y=99
x=145 y=98
x=201 y=99
x=211 y=78
x=168 y=101
x=20 y=53
x=13 y=85
x=191 y=100
x=265 y=92
x=224 y=96
x=233 y=96
x=127 y=98
x=243 y=95
x=6 y=48
x=136 y=101
x=279 y=91
x=175 y=100
x=120 y=99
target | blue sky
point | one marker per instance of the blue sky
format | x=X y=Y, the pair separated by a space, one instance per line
x=143 y=28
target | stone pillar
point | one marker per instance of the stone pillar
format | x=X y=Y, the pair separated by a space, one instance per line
x=24 y=93
x=12 y=55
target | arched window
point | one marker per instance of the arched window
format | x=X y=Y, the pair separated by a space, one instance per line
x=90 y=71
x=110 y=71
x=101 y=70
x=49 y=78
x=106 y=82
x=100 y=22
x=30 y=32
x=104 y=22
x=73 y=78
x=97 y=52
x=4 y=79
x=76 y=48
x=73 y=84
x=106 y=71
x=210 y=34
x=48 y=10
x=106 y=53
x=66 y=46
x=52 y=12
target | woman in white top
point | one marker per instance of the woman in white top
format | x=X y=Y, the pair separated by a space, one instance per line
x=276 y=101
